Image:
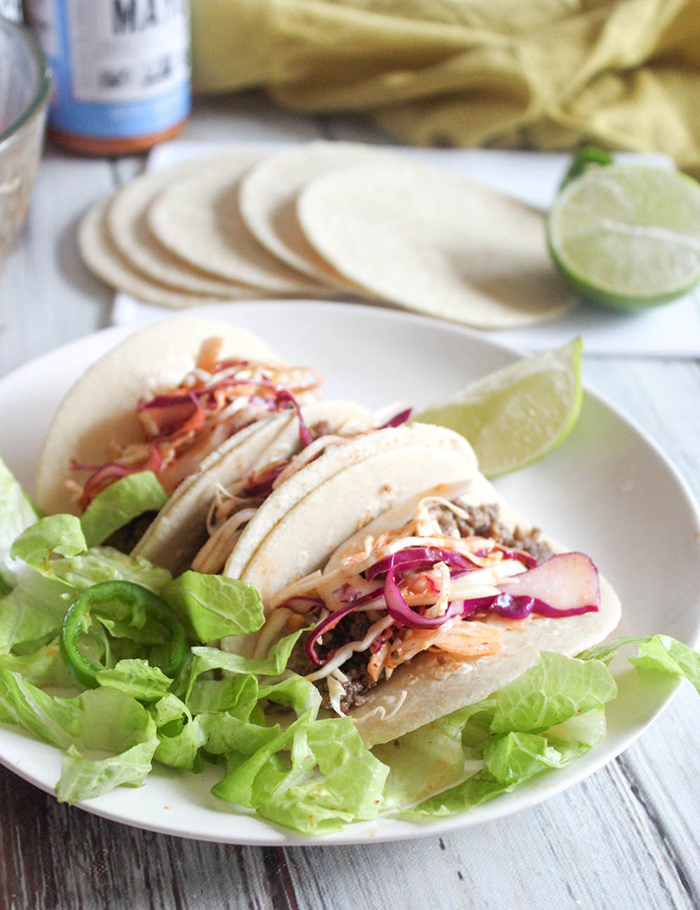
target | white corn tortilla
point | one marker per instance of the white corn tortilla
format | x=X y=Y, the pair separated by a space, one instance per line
x=424 y=689
x=197 y=219
x=100 y=408
x=175 y=537
x=267 y=201
x=435 y=242
x=129 y=231
x=359 y=481
x=105 y=261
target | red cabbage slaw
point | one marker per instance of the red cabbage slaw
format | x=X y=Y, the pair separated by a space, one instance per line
x=403 y=601
x=218 y=399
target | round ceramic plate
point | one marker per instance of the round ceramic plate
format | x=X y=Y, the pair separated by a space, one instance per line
x=607 y=491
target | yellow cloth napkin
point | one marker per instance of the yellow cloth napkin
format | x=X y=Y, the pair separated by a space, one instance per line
x=542 y=73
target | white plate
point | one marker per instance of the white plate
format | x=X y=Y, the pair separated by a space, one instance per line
x=607 y=491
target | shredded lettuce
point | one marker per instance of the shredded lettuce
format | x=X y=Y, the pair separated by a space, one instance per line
x=16 y=514
x=255 y=717
x=657 y=652
x=205 y=659
x=137 y=678
x=33 y=609
x=550 y=692
x=103 y=719
x=224 y=734
x=237 y=695
x=543 y=719
x=60 y=534
x=46 y=584
x=214 y=607
x=315 y=776
x=107 y=564
x=38 y=664
x=179 y=738
x=114 y=722
x=120 y=503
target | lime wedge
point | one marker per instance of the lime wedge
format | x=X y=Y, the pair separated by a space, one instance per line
x=518 y=414
x=628 y=236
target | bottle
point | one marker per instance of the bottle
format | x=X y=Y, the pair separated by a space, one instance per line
x=121 y=71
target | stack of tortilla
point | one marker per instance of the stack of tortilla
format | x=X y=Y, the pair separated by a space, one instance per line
x=326 y=220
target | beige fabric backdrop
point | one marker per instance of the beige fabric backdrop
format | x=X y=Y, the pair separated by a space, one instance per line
x=542 y=73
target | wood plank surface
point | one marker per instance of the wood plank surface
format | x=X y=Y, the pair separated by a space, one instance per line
x=628 y=837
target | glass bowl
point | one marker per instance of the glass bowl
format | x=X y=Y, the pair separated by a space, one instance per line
x=24 y=93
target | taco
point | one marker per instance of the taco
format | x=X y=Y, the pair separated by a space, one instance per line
x=430 y=607
x=205 y=517
x=162 y=400
x=305 y=519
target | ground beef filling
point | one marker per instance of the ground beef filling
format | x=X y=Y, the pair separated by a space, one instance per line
x=358 y=682
x=484 y=521
x=126 y=538
x=481 y=521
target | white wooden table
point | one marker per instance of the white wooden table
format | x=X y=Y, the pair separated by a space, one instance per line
x=628 y=837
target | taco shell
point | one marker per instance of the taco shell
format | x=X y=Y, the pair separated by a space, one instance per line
x=426 y=687
x=361 y=480
x=178 y=533
x=100 y=409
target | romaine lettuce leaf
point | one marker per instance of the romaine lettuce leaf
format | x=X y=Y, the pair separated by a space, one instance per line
x=656 y=652
x=137 y=678
x=554 y=689
x=39 y=544
x=205 y=659
x=327 y=778
x=119 y=503
x=533 y=723
x=214 y=607
x=427 y=760
x=42 y=665
x=102 y=719
x=666 y=655
x=16 y=514
x=223 y=734
x=294 y=692
x=114 y=722
x=516 y=757
x=60 y=534
x=509 y=761
x=107 y=564
x=179 y=737
x=54 y=720
x=237 y=695
x=272 y=665
x=33 y=609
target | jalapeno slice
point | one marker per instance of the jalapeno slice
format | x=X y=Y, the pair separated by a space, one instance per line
x=134 y=608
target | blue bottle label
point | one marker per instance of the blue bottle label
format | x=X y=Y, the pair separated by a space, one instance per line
x=121 y=67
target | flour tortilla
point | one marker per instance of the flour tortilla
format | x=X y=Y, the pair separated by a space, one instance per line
x=178 y=533
x=100 y=408
x=267 y=199
x=435 y=242
x=105 y=261
x=349 y=487
x=129 y=231
x=423 y=689
x=197 y=219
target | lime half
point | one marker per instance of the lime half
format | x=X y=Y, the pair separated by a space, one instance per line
x=628 y=236
x=518 y=414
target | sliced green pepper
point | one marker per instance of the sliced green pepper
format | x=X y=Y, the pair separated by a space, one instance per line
x=136 y=607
